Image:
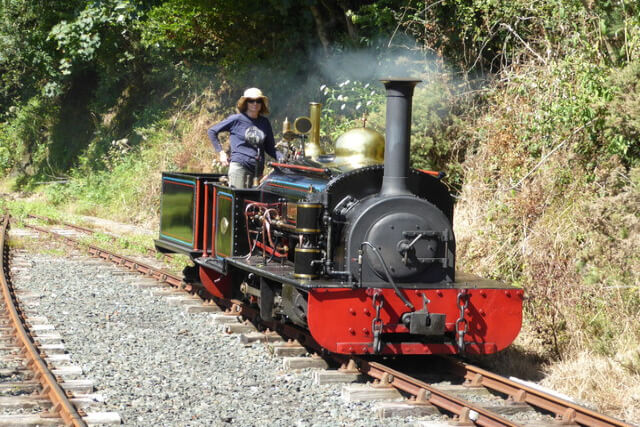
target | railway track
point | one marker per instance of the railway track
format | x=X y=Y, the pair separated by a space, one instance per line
x=50 y=400
x=88 y=231
x=419 y=393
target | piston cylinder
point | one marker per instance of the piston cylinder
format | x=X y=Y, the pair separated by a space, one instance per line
x=307 y=263
x=308 y=218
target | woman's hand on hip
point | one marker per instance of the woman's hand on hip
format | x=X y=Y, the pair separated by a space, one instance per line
x=223 y=158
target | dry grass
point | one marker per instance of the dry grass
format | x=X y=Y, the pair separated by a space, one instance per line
x=179 y=145
x=575 y=252
x=197 y=154
x=569 y=234
x=599 y=382
x=17 y=243
x=36 y=245
x=521 y=360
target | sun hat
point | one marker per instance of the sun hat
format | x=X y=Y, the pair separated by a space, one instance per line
x=253 y=93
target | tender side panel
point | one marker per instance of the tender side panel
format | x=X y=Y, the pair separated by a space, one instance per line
x=182 y=216
x=177 y=211
x=197 y=213
x=204 y=212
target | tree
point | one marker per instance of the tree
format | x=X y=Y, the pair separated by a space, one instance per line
x=27 y=57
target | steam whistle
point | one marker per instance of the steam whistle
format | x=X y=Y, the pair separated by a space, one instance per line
x=310 y=126
x=287 y=133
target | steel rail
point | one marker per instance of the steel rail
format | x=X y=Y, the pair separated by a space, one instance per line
x=235 y=307
x=67 y=224
x=82 y=229
x=565 y=410
x=61 y=404
x=466 y=411
x=130 y=263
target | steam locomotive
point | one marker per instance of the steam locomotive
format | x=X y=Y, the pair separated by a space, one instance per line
x=355 y=246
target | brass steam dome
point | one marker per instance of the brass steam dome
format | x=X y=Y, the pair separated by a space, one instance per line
x=358 y=148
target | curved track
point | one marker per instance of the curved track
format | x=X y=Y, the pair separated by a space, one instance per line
x=86 y=230
x=62 y=406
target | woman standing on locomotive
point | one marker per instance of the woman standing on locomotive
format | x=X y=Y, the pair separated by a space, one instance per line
x=250 y=136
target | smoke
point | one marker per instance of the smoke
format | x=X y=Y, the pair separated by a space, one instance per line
x=291 y=85
x=373 y=64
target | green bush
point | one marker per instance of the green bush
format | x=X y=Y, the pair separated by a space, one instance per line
x=24 y=137
x=622 y=122
x=488 y=35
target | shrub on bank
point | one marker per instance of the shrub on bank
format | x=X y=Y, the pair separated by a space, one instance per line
x=549 y=202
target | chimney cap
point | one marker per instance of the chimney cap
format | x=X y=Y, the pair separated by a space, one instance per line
x=400 y=80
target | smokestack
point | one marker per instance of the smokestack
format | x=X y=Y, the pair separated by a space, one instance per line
x=396 y=151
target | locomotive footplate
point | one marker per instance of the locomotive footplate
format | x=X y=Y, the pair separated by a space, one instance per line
x=217 y=264
x=280 y=272
x=164 y=246
x=284 y=273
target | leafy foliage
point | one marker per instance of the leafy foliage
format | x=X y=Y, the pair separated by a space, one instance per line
x=26 y=55
x=488 y=35
x=347 y=103
x=232 y=33
x=622 y=123
x=102 y=36
x=375 y=21
x=23 y=140
x=175 y=28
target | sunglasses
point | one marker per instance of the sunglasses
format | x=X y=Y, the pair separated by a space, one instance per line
x=254 y=101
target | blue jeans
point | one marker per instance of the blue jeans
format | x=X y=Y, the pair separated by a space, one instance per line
x=239 y=176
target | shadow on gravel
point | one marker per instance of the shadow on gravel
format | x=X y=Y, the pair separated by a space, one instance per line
x=513 y=362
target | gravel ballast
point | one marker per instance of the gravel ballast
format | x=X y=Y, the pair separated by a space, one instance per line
x=157 y=365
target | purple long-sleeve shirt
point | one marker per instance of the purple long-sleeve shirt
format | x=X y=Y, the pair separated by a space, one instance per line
x=246 y=136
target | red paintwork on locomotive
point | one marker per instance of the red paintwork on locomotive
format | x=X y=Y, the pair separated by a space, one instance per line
x=217 y=284
x=341 y=319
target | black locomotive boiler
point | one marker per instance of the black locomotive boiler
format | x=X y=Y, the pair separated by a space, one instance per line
x=355 y=246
